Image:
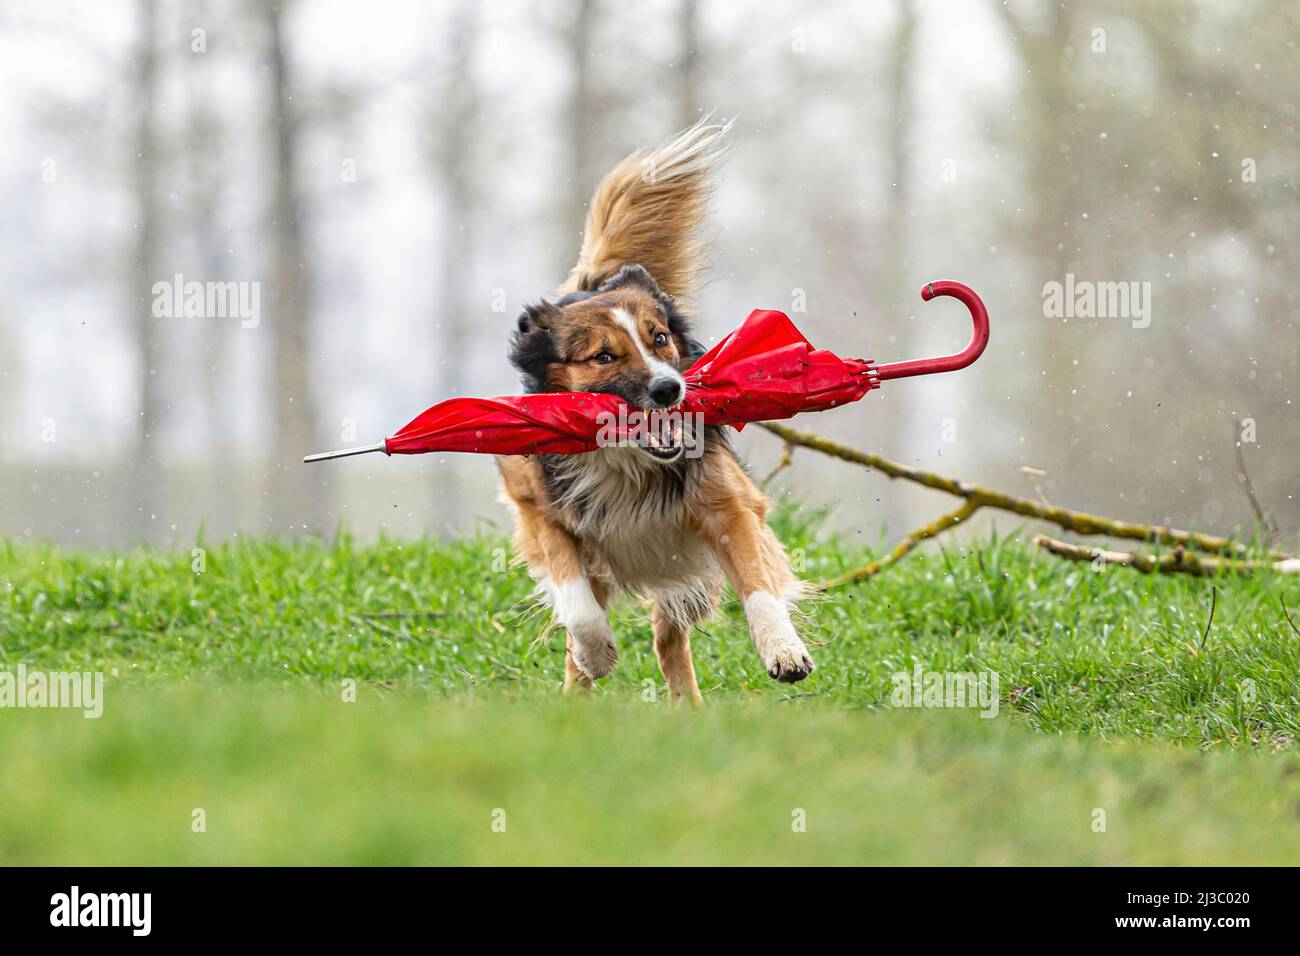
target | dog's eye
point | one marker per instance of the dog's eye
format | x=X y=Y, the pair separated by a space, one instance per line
x=602 y=358
x=661 y=339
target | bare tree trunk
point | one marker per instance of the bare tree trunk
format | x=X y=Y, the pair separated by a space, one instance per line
x=1052 y=248
x=582 y=112
x=895 y=290
x=203 y=150
x=900 y=128
x=455 y=121
x=146 y=481
x=297 y=493
x=688 y=77
x=1054 y=186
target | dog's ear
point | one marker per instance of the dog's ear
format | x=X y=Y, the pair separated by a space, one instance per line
x=540 y=317
x=532 y=347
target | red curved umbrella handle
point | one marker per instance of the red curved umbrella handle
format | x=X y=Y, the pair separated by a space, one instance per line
x=946 y=363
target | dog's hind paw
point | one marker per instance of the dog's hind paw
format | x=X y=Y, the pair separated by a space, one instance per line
x=789 y=666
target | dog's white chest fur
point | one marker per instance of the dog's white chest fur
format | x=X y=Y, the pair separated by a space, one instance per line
x=632 y=516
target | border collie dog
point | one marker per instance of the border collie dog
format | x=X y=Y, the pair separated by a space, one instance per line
x=644 y=517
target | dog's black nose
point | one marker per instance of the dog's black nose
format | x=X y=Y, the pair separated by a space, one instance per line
x=666 y=391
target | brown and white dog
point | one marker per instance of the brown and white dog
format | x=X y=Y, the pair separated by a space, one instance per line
x=644 y=517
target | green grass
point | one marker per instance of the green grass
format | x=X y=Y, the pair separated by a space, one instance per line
x=223 y=691
x=393 y=778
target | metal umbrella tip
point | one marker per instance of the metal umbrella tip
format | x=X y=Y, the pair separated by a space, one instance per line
x=347 y=452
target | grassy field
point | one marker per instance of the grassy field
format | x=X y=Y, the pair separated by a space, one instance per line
x=226 y=674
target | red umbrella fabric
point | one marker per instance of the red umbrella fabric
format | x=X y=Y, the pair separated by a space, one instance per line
x=764 y=370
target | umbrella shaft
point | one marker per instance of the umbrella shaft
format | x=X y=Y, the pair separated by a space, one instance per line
x=346 y=452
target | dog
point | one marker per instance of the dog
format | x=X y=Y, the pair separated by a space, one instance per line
x=644 y=517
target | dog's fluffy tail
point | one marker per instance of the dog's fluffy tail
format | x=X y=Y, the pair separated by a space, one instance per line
x=648 y=211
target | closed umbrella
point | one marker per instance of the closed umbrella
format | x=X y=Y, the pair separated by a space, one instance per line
x=763 y=370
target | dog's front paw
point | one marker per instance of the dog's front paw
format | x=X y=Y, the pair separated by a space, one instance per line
x=789 y=665
x=596 y=661
x=783 y=654
x=593 y=649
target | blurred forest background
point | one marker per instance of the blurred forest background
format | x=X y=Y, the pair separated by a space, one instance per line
x=399 y=178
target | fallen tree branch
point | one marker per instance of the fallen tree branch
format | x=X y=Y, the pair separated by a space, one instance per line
x=1243 y=477
x=1286 y=613
x=787 y=457
x=1177 y=561
x=1077 y=521
x=1033 y=474
x=907 y=545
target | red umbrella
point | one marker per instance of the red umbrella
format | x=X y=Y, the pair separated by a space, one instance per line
x=763 y=370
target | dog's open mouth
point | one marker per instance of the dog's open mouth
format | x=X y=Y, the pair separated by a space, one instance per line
x=661 y=437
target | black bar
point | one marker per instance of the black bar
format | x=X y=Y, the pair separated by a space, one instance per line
x=330 y=906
